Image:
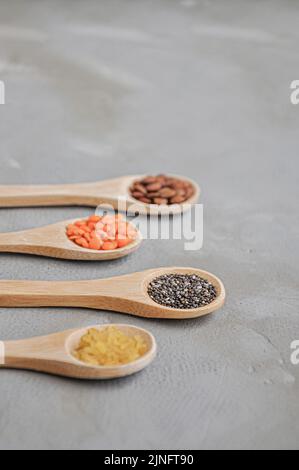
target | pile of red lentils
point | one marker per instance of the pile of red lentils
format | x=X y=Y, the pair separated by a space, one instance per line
x=162 y=190
x=110 y=232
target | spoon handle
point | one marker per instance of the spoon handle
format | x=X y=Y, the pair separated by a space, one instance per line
x=99 y=294
x=13 y=350
x=26 y=196
x=89 y=194
x=18 y=242
x=43 y=354
x=9 y=242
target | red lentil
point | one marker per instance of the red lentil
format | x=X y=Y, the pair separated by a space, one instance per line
x=102 y=233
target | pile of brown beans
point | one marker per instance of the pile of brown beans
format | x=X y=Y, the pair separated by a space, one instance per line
x=162 y=190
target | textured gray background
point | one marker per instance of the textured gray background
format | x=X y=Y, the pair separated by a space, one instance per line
x=97 y=89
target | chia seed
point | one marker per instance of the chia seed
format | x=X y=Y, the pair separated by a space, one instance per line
x=182 y=291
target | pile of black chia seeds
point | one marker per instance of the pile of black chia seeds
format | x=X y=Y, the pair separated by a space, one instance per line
x=182 y=291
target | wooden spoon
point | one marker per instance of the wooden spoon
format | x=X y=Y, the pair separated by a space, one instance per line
x=104 y=193
x=53 y=354
x=53 y=242
x=125 y=294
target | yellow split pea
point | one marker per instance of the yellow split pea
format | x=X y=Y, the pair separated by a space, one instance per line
x=109 y=347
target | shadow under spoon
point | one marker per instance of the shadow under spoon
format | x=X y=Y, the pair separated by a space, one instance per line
x=53 y=354
x=125 y=294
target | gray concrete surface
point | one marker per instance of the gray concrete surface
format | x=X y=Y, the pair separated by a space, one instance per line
x=97 y=89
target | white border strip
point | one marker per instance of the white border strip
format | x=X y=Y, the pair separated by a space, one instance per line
x=2 y=353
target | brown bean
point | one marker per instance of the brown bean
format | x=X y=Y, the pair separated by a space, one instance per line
x=153 y=195
x=167 y=193
x=170 y=181
x=154 y=187
x=149 y=180
x=145 y=200
x=140 y=188
x=137 y=195
x=161 y=178
x=177 y=200
x=181 y=192
x=179 y=185
x=161 y=201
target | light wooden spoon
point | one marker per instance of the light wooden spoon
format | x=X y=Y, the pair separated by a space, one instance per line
x=53 y=354
x=125 y=294
x=52 y=241
x=107 y=192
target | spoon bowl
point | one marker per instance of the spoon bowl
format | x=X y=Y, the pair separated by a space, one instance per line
x=53 y=242
x=125 y=294
x=113 y=193
x=53 y=354
x=133 y=205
